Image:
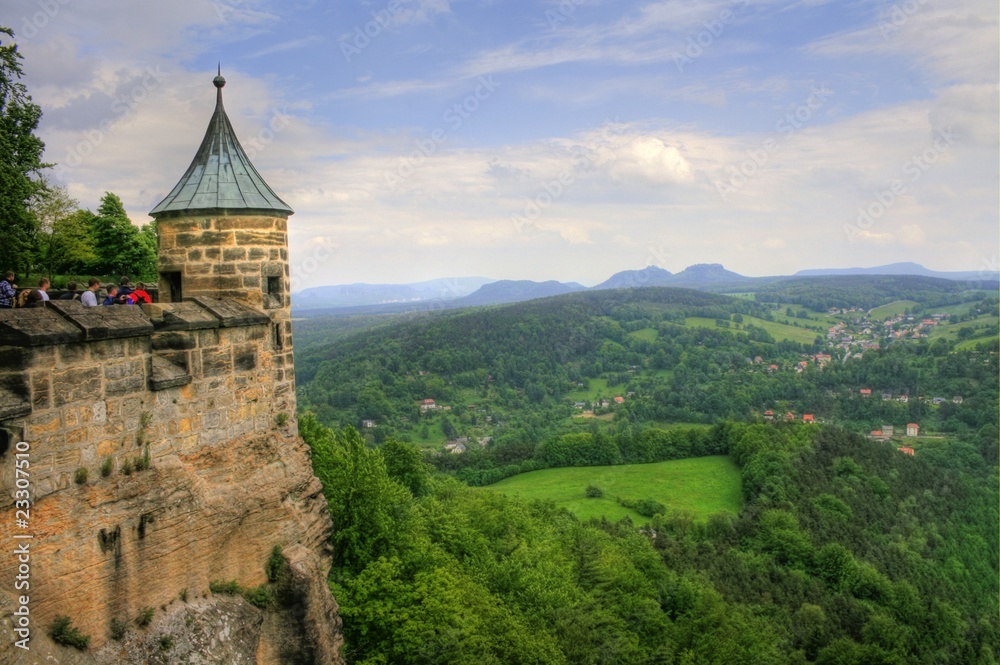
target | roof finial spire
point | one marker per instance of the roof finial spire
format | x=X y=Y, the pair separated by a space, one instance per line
x=218 y=81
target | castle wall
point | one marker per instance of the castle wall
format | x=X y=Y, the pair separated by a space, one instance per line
x=205 y=390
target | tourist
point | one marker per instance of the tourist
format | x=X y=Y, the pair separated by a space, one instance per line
x=124 y=289
x=89 y=297
x=8 y=291
x=140 y=296
x=71 y=292
x=43 y=286
x=112 y=297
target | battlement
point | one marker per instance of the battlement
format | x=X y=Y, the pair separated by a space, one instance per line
x=75 y=380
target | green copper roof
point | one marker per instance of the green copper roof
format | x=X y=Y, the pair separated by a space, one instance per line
x=221 y=178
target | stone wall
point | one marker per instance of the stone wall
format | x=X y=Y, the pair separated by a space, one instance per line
x=203 y=392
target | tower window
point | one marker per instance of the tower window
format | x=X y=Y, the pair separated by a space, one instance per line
x=277 y=337
x=172 y=282
x=272 y=294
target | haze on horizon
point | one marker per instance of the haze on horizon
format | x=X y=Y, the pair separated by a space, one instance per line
x=420 y=139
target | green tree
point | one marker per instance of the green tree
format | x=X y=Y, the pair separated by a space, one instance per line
x=72 y=246
x=20 y=158
x=121 y=248
x=50 y=206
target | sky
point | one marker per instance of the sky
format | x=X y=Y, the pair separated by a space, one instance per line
x=562 y=139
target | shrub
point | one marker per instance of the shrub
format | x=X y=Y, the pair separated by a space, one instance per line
x=281 y=419
x=594 y=492
x=232 y=587
x=62 y=632
x=184 y=595
x=166 y=643
x=107 y=466
x=275 y=566
x=142 y=463
x=145 y=616
x=259 y=597
x=80 y=476
x=118 y=628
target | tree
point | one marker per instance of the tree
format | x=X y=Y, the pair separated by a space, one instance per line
x=49 y=206
x=20 y=158
x=121 y=248
x=72 y=244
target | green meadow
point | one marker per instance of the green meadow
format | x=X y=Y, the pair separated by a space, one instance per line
x=699 y=485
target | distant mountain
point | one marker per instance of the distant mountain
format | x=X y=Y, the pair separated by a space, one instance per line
x=356 y=295
x=649 y=276
x=905 y=268
x=508 y=291
x=704 y=274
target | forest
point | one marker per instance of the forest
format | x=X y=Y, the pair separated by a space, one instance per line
x=845 y=552
x=846 y=549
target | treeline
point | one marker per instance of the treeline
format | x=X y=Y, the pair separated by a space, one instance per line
x=65 y=240
x=846 y=552
x=627 y=445
x=868 y=291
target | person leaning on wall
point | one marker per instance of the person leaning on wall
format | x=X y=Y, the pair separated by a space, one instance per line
x=89 y=297
x=8 y=291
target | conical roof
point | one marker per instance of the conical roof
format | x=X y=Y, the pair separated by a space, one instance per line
x=221 y=178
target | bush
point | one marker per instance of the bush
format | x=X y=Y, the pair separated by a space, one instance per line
x=259 y=597
x=62 y=632
x=145 y=616
x=166 y=643
x=594 y=492
x=107 y=466
x=118 y=628
x=80 y=476
x=127 y=467
x=275 y=566
x=232 y=587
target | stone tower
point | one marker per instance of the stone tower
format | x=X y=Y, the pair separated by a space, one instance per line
x=223 y=232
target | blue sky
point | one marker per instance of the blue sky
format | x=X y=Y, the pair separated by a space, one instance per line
x=566 y=140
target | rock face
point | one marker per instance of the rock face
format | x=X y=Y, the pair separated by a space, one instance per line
x=159 y=449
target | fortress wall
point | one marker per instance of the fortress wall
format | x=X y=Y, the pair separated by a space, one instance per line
x=205 y=389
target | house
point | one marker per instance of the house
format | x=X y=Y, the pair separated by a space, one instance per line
x=368 y=423
x=789 y=417
x=484 y=441
x=888 y=431
x=619 y=400
x=906 y=450
x=579 y=405
x=808 y=418
x=957 y=399
x=886 y=397
x=904 y=399
x=769 y=415
x=772 y=368
x=913 y=429
x=428 y=405
x=866 y=392
x=938 y=400
x=877 y=434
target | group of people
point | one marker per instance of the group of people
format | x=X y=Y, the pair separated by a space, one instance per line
x=121 y=294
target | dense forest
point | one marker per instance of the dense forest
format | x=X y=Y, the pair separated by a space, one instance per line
x=845 y=552
x=510 y=373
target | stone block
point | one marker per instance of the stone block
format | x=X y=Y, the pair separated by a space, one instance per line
x=216 y=362
x=36 y=326
x=41 y=390
x=82 y=383
x=164 y=375
x=125 y=377
x=234 y=254
x=245 y=358
x=104 y=322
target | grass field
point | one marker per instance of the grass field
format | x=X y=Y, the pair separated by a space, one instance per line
x=700 y=485
x=778 y=331
x=892 y=309
x=594 y=388
x=647 y=334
